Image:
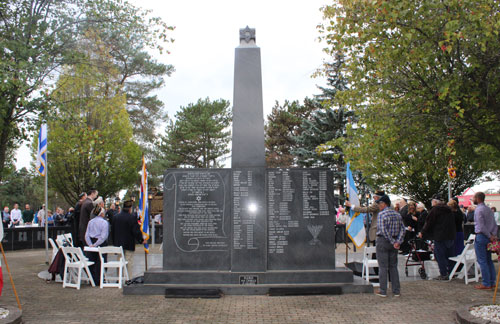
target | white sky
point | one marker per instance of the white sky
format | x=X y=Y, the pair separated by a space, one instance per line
x=206 y=35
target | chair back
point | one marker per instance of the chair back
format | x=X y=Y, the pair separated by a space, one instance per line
x=62 y=240
x=468 y=251
x=73 y=254
x=368 y=252
x=471 y=239
x=69 y=238
x=118 y=250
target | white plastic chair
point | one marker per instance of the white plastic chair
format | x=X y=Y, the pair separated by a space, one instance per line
x=120 y=265
x=76 y=261
x=60 y=239
x=467 y=258
x=369 y=262
x=55 y=249
x=69 y=238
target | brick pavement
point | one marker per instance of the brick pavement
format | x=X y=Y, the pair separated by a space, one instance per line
x=421 y=302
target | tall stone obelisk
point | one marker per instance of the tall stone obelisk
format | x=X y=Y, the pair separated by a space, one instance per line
x=248 y=120
x=249 y=221
x=248 y=229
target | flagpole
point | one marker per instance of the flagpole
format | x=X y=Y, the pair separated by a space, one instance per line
x=12 y=281
x=46 y=214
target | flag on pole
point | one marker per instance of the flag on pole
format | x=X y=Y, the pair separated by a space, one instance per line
x=41 y=157
x=355 y=227
x=143 y=206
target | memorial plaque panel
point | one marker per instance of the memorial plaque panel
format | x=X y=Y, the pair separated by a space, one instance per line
x=23 y=239
x=249 y=220
x=197 y=222
x=249 y=280
x=301 y=221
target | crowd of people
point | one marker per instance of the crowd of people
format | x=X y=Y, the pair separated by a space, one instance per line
x=96 y=226
x=29 y=217
x=91 y=223
x=395 y=227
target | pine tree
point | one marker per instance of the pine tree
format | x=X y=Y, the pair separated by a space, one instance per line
x=283 y=124
x=327 y=123
x=315 y=145
x=199 y=137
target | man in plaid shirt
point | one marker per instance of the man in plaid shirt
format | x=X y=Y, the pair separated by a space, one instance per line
x=390 y=234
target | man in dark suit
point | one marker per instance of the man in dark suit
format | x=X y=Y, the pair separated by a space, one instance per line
x=125 y=232
x=76 y=219
x=85 y=211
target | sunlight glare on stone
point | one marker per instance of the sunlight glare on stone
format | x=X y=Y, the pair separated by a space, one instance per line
x=252 y=207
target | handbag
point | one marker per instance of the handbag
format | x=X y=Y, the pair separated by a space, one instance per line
x=494 y=246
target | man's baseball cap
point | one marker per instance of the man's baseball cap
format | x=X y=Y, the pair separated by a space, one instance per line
x=384 y=199
x=437 y=197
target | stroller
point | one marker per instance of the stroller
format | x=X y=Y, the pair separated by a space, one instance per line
x=420 y=251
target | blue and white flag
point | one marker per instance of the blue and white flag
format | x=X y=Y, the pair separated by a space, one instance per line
x=41 y=157
x=355 y=227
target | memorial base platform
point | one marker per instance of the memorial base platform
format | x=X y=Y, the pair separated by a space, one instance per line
x=310 y=282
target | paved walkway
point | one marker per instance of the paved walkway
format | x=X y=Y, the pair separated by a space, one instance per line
x=422 y=301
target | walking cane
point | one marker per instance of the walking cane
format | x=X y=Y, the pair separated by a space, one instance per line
x=12 y=281
x=496 y=287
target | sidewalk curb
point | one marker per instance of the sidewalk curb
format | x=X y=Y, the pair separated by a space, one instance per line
x=14 y=317
x=463 y=316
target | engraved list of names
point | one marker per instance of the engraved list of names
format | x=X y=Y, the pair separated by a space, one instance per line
x=300 y=221
x=249 y=219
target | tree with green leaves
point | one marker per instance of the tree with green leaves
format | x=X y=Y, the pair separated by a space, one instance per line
x=90 y=136
x=435 y=63
x=21 y=187
x=423 y=86
x=39 y=37
x=283 y=124
x=199 y=137
x=404 y=158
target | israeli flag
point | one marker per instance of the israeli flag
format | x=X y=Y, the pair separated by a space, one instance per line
x=41 y=157
x=355 y=227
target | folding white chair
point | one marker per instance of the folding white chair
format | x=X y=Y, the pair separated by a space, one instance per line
x=467 y=258
x=75 y=260
x=55 y=249
x=69 y=238
x=120 y=265
x=369 y=262
x=60 y=239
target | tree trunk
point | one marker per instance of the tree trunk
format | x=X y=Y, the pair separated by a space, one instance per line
x=4 y=140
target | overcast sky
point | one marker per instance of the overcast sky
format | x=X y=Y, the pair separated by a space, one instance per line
x=207 y=33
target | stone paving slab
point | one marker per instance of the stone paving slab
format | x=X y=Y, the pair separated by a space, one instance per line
x=422 y=301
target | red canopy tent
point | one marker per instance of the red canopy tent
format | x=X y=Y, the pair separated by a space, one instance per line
x=466 y=198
